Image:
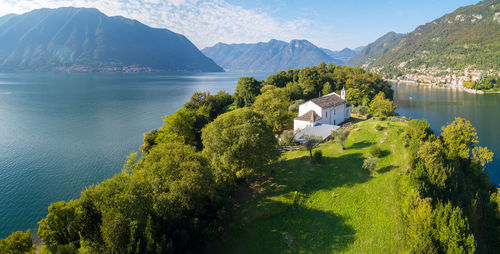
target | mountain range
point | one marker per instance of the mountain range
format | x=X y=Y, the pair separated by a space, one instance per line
x=274 y=55
x=84 y=39
x=376 y=49
x=469 y=37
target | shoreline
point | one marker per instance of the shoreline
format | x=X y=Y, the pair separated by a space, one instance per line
x=448 y=86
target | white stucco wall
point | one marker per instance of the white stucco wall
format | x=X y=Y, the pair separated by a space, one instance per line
x=299 y=124
x=334 y=116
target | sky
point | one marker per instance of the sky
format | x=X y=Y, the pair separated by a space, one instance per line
x=332 y=24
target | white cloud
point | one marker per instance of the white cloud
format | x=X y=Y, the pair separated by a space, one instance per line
x=204 y=22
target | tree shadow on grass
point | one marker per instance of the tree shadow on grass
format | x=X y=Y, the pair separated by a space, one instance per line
x=275 y=221
x=296 y=229
x=386 y=169
x=314 y=231
x=300 y=175
x=359 y=145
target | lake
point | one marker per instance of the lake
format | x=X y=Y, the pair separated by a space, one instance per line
x=440 y=106
x=60 y=133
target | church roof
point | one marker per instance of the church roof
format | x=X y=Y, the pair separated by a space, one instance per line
x=310 y=116
x=328 y=101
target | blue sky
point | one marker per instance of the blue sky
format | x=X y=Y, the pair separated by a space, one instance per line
x=331 y=24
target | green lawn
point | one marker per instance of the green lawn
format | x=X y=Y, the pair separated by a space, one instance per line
x=294 y=211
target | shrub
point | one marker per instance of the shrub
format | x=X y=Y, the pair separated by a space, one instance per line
x=317 y=156
x=370 y=164
x=379 y=127
x=375 y=151
x=360 y=110
x=286 y=138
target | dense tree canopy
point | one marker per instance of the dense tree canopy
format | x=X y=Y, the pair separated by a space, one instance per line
x=238 y=144
x=246 y=91
x=17 y=243
x=273 y=105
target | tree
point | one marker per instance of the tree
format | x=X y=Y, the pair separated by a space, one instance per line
x=356 y=97
x=239 y=144
x=246 y=91
x=481 y=155
x=452 y=230
x=327 y=88
x=273 y=105
x=382 y=107
x=341 y=136
x=287 y=138
x=459 y=137
x=311 y=141
x=370 y=164
x=60 y=229
x=17 y=243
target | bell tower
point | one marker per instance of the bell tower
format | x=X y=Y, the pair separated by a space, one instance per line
x=342 y=94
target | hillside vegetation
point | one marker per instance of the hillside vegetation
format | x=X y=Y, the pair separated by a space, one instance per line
x=469 y=37
x=331 y=206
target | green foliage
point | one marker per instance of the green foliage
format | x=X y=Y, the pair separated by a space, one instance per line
x=341 y=135
x=164 y=204
x=311 y=141
x=327 y=88
x=150 y=140
x=317 y=156
x=294 y=107
x=273 y=105
x=360 y=110
x=443 y=172
x=452 y=230
x=379 y=127
x=287 y=138
x=370 y=164
x=17 y=243
x=376 y=151
x=382 y=107
x=247 y=89
x=356 y=97
x=60 y=229
x=238 y=144
x=459 y=138
x=418 y=129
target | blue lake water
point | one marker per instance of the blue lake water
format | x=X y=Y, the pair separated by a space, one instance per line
x=60 y=133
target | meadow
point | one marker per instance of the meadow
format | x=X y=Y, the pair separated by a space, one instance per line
x=331 y=206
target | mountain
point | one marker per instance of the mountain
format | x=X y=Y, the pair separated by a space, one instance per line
x=82 y=39
x=467 y=37
x=344 y=55
x=269 y=56
x=376 y=49
x=359 y=49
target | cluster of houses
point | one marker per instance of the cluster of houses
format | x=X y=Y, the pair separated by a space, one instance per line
x=448 y=76
x=320 y=116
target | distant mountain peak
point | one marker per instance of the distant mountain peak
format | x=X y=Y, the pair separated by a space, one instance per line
x=274 y=55
x=85 y=39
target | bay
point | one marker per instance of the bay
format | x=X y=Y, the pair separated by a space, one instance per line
x=60 y=133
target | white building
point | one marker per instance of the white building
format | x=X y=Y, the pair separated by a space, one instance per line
x=330 y=109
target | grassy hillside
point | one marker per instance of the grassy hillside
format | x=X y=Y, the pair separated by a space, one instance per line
x=294 y=211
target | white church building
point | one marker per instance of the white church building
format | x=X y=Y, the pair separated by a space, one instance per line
x=330 y=109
